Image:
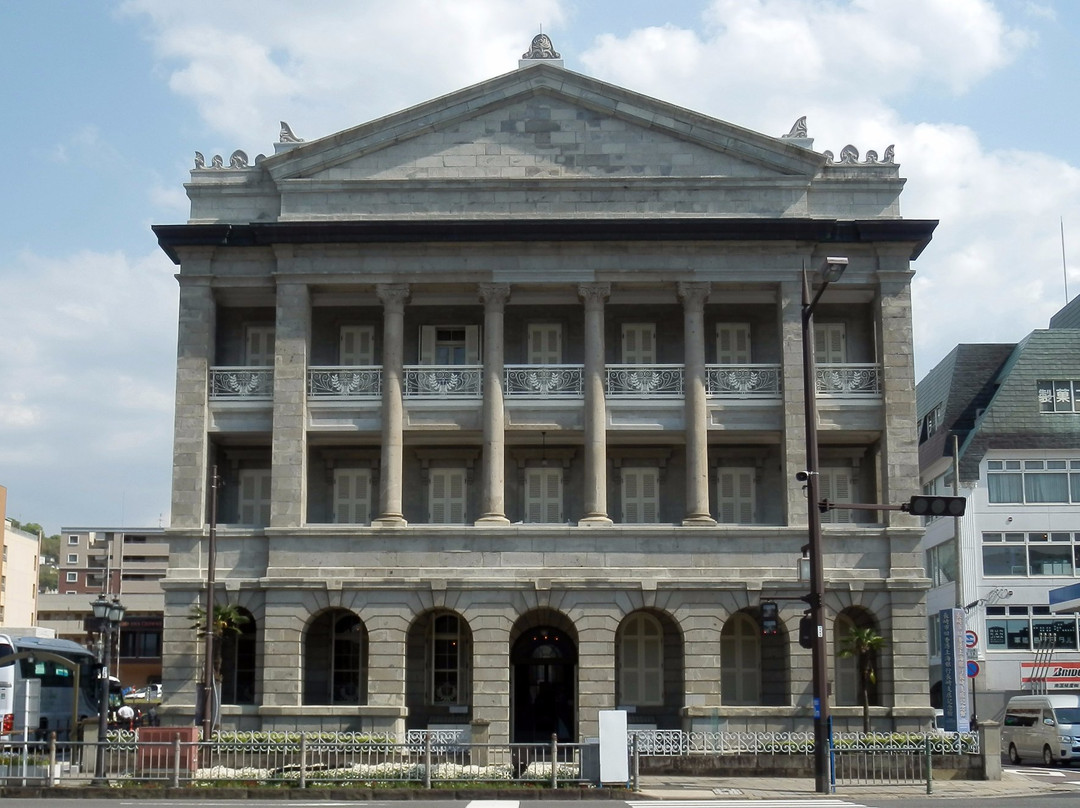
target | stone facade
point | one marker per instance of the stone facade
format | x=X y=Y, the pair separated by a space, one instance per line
x=506 y=393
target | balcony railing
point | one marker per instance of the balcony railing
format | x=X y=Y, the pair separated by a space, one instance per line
x=443 y=381
x=742 y=381
x=644 y=381
x=848 y=381
x=249 y=383
x=543 y=381
x=345 y=382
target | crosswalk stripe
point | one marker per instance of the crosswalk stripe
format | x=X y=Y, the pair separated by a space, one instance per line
x=495 y=804
x=796 y=802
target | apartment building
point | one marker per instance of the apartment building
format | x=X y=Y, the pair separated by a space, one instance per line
x=504 y=396
x=1004 y=421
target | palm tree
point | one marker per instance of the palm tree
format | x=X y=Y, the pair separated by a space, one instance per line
x=863 y=644
x=228 y=618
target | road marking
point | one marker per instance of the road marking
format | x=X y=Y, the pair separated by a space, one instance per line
x=1037 y=772
x=493 y=804
x=784 y=803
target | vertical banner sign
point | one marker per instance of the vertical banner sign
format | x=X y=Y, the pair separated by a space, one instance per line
x=954 y=680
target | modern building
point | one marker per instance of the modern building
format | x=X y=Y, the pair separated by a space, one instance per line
x=505 y=396
x=128 y=563
x=19 y=560
x=1004 y=421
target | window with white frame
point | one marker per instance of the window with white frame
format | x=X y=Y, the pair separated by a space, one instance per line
x=254 y=497
x=259 y=346
x=941 y=563
x=835 y=484
x=1033 y=481
x=352 y=495
x=1029 y=628
x=356 y=345
x=639 y=343
x=830 y=343
x=641 y=661
x=1054 y=553
x=733 y=343
x=446 y=496
x=72 y=578
x=640 y=494
x=73 y=539
x=1059 y=395
x=543 y=495
x=735 y=495
x=545 y=344
x=73 y=558
x=447 y=661
x=740 y=660
x=450 y=345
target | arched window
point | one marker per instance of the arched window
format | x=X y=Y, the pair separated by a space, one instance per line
x=335 y=659
x=448 y=656
x=238 y=663
x=740 y=660
x=641 y=661
x=847 y=683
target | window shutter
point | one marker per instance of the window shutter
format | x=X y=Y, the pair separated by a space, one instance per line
x=352 y=496
x=736 y=488
x=835 y=485
x=427 y=345
x=543 y=495
x=259 y=346
x=356 y=345
x=472 y=345
x=639 y=343
x=733 y=343
x=641 y=495
x=254 y=504
x=447 y=497
x=553 y=496
x=545 y=344
x=830 y=343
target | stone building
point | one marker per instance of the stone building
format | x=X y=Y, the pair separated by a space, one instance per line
x=505 y=394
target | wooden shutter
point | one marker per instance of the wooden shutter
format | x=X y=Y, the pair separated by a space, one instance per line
x=543 y=495
x=835 y=485
x=639 y=343
x=733 y=343
x=259 y=346
x=254 y=504
x=830 y=343
x=356 y=345
x=735 y=495
x=472 y=345
x=352 y=496
x=641 y=495
x=446 y=496
x=545 y=344
x=427 y=344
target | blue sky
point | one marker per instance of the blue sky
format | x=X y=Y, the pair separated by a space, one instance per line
x=105 y=103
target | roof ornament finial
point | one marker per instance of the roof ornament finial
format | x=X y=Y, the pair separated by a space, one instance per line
x=541 y=48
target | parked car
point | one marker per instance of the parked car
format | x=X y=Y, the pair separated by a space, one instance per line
x=148 y=693
x=1044 y=728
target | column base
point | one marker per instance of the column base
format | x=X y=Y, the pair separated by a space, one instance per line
x=699 y=520
x=389 y=521
x=595 y=521
x=491 y=520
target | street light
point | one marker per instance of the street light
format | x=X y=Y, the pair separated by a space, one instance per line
x=107 y=615
x=830 y=270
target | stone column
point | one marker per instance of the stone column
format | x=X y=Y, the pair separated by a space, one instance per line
x=292 y=335
x=195 y=355
x=393 y=297
x=493 y=496
x=789 y=314
x=693 y=296
x=491 y=626
x=596 y=670
x=595 y=494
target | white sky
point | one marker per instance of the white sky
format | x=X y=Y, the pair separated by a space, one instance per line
x=104 y=104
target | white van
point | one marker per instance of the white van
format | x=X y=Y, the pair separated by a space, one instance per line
x=1044 y=728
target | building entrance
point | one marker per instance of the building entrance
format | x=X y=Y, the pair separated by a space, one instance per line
x=545 y=681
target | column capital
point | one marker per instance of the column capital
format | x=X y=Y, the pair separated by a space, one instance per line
x=392 y=295
x=693 y=294
x=494 y=294
x=594 y=294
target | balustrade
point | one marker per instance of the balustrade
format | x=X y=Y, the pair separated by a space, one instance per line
x=242 y=383
x=742 y=381
x=345 y=382
x=443 y=381
x=644 y=381
x=544 y=381
x=848 y=380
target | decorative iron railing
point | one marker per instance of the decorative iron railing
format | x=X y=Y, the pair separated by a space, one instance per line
x=544 y=381
x=443 y=381
x=848 y=381
x=644 y=381
x=742 y=381
x=345 y=382
x=242 y=382
x=678 y=743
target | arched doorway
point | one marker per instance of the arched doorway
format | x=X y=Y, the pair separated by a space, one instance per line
x=544 y=671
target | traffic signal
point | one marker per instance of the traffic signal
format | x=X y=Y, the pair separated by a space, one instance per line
x=807 y=630
x=935 y=506
x=770 y=618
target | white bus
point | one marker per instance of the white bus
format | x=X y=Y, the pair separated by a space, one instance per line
x=51 y=687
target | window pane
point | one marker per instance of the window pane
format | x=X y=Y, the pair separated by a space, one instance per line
x=1050 y=560
x=1004 y=560
x=1005 y=487
x=1046 y=487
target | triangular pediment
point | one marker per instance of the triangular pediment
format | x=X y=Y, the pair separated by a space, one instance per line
x=543 y=122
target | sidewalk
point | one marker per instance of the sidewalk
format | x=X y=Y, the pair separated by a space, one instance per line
x=670 y=787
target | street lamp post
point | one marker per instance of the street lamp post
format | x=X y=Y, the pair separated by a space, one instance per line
x=208 y=639
x=108 y=615
x=831 y=270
